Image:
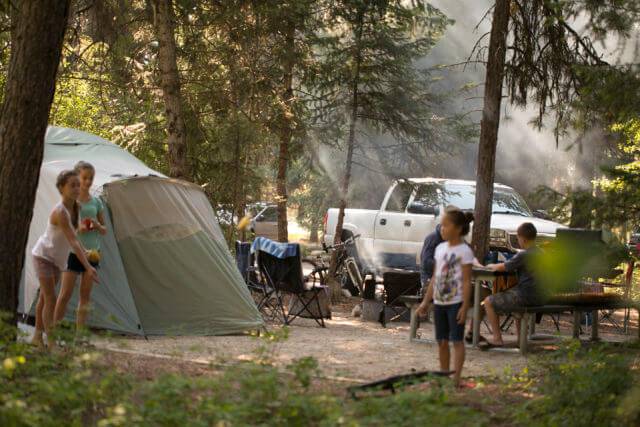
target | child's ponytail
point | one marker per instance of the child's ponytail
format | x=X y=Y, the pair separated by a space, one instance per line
x=61 y=181
x=75 y=215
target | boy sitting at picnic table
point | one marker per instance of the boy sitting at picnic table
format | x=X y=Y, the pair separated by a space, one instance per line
x=524 y=293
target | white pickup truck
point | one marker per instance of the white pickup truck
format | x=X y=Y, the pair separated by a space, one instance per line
x=412 y=209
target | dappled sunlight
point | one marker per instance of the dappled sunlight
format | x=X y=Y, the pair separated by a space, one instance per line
x=347 y=347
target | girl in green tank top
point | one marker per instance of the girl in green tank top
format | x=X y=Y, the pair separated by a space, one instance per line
x=90 y=229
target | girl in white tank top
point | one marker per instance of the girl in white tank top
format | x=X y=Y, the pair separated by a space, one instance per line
x=52 y=249
x=53 y=245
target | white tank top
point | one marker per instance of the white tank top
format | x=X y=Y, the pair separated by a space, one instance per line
x=53 y=245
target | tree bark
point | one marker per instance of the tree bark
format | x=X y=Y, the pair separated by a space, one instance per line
x=286 y=133
x=170 y=84
x=313 y=233
x=346 y=179
x=37 y=39
x=489 y=128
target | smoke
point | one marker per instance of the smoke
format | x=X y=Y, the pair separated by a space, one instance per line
x=526 y=159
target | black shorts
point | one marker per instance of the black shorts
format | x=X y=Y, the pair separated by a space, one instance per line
x=506 y=301
x=75 y=266
x=447 y=326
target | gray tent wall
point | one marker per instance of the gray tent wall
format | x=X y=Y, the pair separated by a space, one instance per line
x=112 y=305
x=186 y=283
x=183 y=278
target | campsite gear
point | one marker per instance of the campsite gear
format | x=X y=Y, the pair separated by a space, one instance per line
x=165 y=264
x=397 y=284
x=347 y=268
x=262 y=294
x=396 y=381
x=281 y=267
x=244 y=222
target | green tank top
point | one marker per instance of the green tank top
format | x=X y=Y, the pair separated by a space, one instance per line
x=90 y=209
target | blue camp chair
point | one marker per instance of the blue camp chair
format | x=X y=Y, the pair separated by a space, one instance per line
x=281 y=267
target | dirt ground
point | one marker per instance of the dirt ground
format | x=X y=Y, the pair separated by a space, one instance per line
x=347 y=349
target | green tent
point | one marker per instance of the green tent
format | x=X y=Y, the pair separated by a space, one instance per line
x=165 y=266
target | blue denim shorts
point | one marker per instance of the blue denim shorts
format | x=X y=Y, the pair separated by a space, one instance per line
x=447 y=327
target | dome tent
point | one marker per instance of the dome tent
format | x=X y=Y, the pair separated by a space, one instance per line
x=165 y=266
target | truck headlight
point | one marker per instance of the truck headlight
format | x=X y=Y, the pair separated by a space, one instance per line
x=498 y=237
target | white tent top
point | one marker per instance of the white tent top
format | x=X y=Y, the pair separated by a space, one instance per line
x=65 y=147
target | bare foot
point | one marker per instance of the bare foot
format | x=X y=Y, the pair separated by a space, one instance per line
x=456 y=381
x=37 y=341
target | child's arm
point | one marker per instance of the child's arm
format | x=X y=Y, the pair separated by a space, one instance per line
x=99 y=224
x=62 y=219
x=496 y=267
x=428 y=296
x=466 y=294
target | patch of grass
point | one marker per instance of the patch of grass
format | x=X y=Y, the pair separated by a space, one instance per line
x=78 y=388
x=579 y=386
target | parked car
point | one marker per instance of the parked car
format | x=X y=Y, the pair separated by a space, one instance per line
x=412 y=208
x=634 y=243
x=265 y=223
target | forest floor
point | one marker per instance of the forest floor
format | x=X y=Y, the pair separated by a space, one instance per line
x=304 y=372
x=348 y=349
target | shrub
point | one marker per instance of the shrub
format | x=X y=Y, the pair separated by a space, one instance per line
x=579 y=388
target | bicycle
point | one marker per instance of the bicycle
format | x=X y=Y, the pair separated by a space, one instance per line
x=347 y=271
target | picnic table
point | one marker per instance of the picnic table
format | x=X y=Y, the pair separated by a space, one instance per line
x=528 y=319
x=482 y=275
x=479 y=275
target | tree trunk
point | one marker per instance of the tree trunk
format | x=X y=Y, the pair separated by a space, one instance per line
x=489 y=128
x=170 y=85
x=35 y=54
x=336 y=290
x=313 y=233
x=286 y=132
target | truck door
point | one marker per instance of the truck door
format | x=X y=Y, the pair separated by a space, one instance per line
x=422 y=216
x=389 y=228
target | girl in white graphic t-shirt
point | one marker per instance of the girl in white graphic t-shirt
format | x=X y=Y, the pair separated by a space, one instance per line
x=450 y=288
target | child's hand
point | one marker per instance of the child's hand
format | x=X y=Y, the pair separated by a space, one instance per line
x=423 y=309
x=462 y=314
x=95 y=225
x=492 y=267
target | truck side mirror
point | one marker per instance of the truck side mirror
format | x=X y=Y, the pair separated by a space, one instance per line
x=422 y=209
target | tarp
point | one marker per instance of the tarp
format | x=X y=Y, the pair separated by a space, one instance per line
x=165 y=267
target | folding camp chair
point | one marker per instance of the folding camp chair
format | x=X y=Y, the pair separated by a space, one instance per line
x=263 y=295
x=281 y=267
x=397 y=284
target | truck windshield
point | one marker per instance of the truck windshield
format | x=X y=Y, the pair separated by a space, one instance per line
x=505 y=201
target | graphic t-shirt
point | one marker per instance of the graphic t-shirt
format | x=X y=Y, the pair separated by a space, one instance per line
x=90 y=209
x=448 y=287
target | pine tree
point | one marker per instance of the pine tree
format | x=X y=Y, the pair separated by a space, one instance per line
x=368 y=76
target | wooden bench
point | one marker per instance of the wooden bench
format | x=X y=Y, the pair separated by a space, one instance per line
x=528 y=321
